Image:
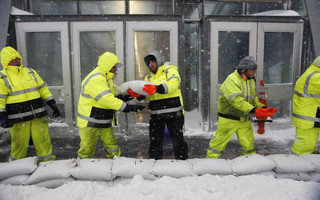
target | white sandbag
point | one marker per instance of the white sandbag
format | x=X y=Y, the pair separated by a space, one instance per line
x=267 y=173
x=172 y=168
x=314 y=159
x=211 y=166
x=18 y=167
x=15 y=180
x=121 y=181
x=135 y=86
x=129 y=167
x=291 y=164
x=57 y=169
x=54 y=183
x=251 y=164
x=93 y=169
x=294 y=176
x=314 y=176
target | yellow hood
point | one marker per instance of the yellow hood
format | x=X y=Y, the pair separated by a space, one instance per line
x=107 y=60
x=7 y=54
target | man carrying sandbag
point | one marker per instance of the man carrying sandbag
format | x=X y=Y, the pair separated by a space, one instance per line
x=236 y=102
x=23 y=99
x=166 y=106
x=306 y=110
x=96 y=107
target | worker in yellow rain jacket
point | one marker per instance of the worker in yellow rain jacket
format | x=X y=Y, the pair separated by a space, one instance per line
x=166 y=106
x=236 y=102
x=306 y=110
x=96 y=107
x=23 y=95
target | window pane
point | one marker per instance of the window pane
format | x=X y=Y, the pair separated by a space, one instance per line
x=92 y=45
x=233 y=46
x=40 y=7
x=261 y=7
x=278 y=55
x=44 y=56
x=300 y=7
x=151 y=7
x=222 y=8
x=102 y=7
x=146 y=41
x=191 y=66
x=188 y=10
x=283 y=107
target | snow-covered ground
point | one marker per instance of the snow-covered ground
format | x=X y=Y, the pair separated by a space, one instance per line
x=202 y=187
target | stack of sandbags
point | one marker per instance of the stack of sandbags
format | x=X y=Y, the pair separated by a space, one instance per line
x=252 y=164
x=315 y=160
x=52 y=174
x=17 y=172
x=130 y=167
x=211 y=166
x=93 y=170
x=292 y=167
x=172 y=168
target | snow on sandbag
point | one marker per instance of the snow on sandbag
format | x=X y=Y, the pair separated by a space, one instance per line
x=16 y=180
x=57 y=169
x=129 y=167
x=135 y=86
x=251 y=164
x=18 y=167
x=172 y=168
x=93 y=169
x=54 y=183
x=294 y=176
x=314 y=176
x=314 y=159
x=291 y=164
x=211 y=166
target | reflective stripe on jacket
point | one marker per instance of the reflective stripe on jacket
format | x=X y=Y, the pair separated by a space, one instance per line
x=171 y=101
x=238 y=97
x=97 y=102
x=22 y=91
x=306 y=99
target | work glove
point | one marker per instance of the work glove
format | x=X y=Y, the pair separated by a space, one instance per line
x=141 y=98
x=263 y=112
x=272 y=110
x=52 y=104
x=150 y=89
x=124 y=97
x=133 y=108
x=4 y=122
x=132 y=93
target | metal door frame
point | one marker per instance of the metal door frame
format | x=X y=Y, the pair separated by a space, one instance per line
x=24 y=27
x=250 y=27
x=76 y=28
x=132 y=26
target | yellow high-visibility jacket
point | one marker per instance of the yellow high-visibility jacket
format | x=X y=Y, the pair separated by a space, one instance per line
x=238 y=97
x=22 y=91
x=306 y=99
x=171 y=100
x=97 y=102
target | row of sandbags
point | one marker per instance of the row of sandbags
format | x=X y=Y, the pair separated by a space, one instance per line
x=55 y=173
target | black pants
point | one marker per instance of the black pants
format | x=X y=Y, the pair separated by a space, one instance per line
x=174 y=122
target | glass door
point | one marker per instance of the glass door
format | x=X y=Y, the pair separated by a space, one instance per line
x=89 y=41
x=44 y=47
x=279 y=55
x=230 y=42
x=144 y=37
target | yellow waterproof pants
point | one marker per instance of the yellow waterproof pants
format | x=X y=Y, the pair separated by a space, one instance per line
x=39 y=131
x=225 y=130
x=89 y=137
x=306 y=141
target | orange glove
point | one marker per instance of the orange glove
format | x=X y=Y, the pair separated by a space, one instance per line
x=272 y=110
x=263 y=113
x=150 y=89
x=132 y=93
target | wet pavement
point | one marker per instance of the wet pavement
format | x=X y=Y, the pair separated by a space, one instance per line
x=137 y=147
